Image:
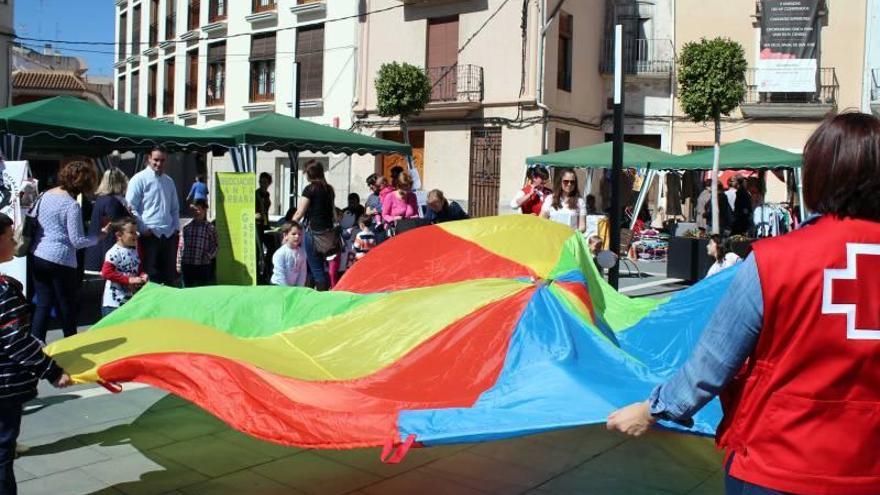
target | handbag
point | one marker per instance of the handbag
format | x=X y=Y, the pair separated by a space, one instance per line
x=28 y=229
x=327 y=242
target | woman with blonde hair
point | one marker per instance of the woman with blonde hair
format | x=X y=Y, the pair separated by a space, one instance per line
x=110 y=205
x=59 y=235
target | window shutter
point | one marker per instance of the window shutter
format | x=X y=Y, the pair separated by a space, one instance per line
x=217 y=53
x=263 y=47
x=310 y=55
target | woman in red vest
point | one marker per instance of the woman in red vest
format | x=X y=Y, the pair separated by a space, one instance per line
x=531 y=197
x=793 y=348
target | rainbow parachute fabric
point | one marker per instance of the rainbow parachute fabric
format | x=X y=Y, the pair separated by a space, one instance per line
x=467 y=331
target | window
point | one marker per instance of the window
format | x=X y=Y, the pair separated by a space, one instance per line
x=168 y=98
x=170 y=19
x=263 y=67
x=263 y=5
x=152 y=76
x=192 y=19
x=136 y=30
x=217 y=10
x=310 y=55
x=120 y=94
x=442 y=58
x=563 y=64
x=563 y=140
x=192 y=79
x=154 y=22
x=135 y=89
x=216 y=73
x=123 y=35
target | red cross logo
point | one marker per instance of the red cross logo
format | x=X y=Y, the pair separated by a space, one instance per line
x=854 y=291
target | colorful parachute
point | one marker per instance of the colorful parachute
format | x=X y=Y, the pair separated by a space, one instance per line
x=466 y=331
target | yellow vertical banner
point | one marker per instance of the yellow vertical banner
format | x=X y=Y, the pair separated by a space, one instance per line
x=236 y=229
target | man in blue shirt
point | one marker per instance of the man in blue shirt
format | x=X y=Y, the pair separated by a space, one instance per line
x=153 y=199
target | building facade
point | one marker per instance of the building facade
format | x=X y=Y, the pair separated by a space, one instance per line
x=496 y=98
x=202 y=63
x=871 y=93
x=7 y=32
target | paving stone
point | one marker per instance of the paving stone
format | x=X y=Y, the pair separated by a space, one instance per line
x=528 y=453
x=273 y=450
x=44 y=460
x=241 y=482
x=181 y=423
x=422 y=482
x=714 y=485
x=314 y=474
x=140 y=474
x=70 y=482
x=486 y=474
x=578 y=483
x=370 y=459
x=21 y=474
x=212 y=456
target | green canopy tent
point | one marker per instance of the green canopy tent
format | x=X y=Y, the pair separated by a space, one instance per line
x=742 y=154
x=72 y=126
x=599 y=156
x=272 y=131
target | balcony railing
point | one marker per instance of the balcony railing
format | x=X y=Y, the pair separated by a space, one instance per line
x=456 y=83
x=792 y=104
x=640 y=56
x=875 y=85
x=825 y=94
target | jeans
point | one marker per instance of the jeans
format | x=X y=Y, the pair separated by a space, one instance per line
x=160 y=258
x=733 y=486
x=197 y=275
x=54 y=285
x=10 y=425
x=316 y=263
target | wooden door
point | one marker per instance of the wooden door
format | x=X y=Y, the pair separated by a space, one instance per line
x=417 y=141
x=485 y=174
x=442 y=58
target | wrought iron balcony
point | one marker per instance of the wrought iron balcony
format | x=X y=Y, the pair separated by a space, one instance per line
x=456 y=84
x=645 y=57
x=811 y=104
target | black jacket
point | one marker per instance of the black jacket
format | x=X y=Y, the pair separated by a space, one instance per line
x=22 y=360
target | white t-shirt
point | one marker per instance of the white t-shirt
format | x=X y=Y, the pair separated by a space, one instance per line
x=564 y=214
x=729 y=260
x=289 y=266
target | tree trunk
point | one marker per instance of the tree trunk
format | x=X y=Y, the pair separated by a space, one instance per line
x=716 y=214
x=410 y=165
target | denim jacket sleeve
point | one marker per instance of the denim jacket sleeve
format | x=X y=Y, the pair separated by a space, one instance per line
x=723 y=347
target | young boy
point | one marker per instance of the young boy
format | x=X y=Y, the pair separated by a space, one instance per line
x=289 y=261
x=22 y=362
x=122 y=266
x=365 y=240
x=198 y=248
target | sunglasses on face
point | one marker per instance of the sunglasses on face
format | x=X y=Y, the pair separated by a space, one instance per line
x=569 y=182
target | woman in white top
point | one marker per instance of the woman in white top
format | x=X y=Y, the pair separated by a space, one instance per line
x=566 y=205
x=717 y=249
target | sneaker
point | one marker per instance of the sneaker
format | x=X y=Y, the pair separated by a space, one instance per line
x=21 y=449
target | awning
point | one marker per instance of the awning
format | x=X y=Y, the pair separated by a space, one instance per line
x=599 y=156
x=743 y=154
x=72 y=126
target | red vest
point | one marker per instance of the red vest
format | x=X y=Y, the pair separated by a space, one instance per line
x=803 y=415
x=532 y=206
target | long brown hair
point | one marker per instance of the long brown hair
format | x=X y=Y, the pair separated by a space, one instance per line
x=315 y=176
x=572 y=200
x=842 y=167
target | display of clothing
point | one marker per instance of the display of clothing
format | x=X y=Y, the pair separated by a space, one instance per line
x=771 y=220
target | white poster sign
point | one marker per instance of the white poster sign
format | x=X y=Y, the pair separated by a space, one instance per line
x=17 y=193
x=786 y=75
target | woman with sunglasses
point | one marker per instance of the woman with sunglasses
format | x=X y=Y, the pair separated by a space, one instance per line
x=566 y=205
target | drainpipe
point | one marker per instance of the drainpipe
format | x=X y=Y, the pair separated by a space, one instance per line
x=545 y=25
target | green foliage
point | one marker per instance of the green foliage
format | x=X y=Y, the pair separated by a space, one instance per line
x=403 y=89
x=711 y=78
